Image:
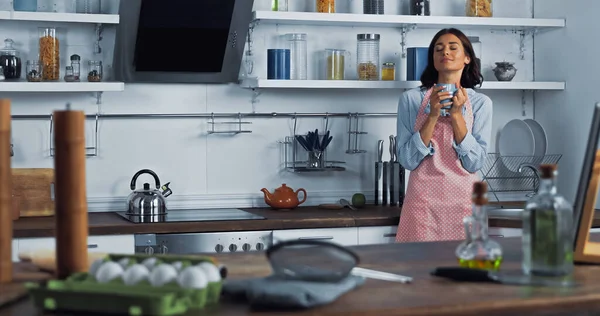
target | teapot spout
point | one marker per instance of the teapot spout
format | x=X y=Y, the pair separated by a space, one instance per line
x=267 y=194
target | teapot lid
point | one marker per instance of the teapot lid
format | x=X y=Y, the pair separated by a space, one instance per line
x=284 y=187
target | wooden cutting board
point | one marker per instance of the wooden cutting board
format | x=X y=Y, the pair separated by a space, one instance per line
x=34 y=189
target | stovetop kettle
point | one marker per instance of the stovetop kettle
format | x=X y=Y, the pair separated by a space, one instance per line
x=148 y=201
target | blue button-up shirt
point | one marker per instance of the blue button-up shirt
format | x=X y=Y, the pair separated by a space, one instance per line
x=471 y=151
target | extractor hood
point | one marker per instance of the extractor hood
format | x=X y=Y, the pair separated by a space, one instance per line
x=181 y=41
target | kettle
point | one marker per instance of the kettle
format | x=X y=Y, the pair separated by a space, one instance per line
x=147 y=201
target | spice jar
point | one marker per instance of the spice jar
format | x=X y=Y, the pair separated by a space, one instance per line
x=326 y=6
x=69 y=74
x=388 y=72
x=420 y=7
x=367 y=56
x=94 y=71
x=49 y=54
x=479 y=8
x=34 y=71
x=76 y=66
x=279 y=5
x=10 y=60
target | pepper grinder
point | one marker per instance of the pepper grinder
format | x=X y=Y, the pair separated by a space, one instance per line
x=6 y=225
x=70 y=193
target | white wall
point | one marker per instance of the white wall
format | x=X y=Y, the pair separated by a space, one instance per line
x=568 y=55
x=208 y=170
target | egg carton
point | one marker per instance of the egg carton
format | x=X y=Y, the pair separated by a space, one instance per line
x=156 y=285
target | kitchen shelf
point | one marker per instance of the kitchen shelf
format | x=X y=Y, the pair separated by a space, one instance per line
x=23 y=86
x=397 y=21
x=60 y=17
x=254 y=83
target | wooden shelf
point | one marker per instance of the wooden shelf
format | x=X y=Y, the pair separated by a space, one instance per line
x=356 y=84
x=60 y=17
x=426 y=22
x=23 y=86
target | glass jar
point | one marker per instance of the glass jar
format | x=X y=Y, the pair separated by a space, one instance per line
x=326 y=6
x=34 y=71
x=388 y=72
x=335 y=63
x=373 y=7
x=367 y=56
x=49 y=54
x=87 y=6
x=279 y=5
x=76 y=66
x=479 y=8
x=296 y=42
x=10 y=60
x=25 y=5
x=94 y=71
x=419 y=7
x=69 y=74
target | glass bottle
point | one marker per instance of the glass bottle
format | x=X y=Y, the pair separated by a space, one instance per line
x=279 y=5
x=478 y=251
x=296 y=42
x=367 y=56
x=34 y=71
x=480 y=8
x=94 y=71
x=49 y=54
x=76 y=66
x=325 y=6
x=10 y=60
x=547 y=229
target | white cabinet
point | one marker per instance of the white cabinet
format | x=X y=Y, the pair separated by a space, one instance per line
x=377 y=235
x=15 y=250
x=123 y=244
x=501 y=232
x=346 y=236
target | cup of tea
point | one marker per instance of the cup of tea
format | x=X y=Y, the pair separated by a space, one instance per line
x=450 y=87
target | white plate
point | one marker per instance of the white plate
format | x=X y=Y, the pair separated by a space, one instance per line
x=516 y=139
x=539 y=134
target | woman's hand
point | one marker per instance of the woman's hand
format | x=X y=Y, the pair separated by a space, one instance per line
x=459 y=100
x=435 y=105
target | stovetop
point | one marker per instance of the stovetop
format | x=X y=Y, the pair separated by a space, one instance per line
x=195 y=215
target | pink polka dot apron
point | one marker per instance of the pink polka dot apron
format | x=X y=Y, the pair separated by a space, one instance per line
x=438 y=195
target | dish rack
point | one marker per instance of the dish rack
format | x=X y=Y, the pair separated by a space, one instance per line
x=514 y=173
x=292 y=151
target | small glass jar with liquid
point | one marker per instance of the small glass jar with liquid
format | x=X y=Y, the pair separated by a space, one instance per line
x=388 y=71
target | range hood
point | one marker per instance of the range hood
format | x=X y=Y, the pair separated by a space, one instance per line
x=181 y=41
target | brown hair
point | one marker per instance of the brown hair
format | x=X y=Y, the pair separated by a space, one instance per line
x=471 y=75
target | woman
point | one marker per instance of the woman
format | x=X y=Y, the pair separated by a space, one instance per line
x=443 y=149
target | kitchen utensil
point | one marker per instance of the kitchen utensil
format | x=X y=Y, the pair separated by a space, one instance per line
x=385 y=183
x=392 y=162
x=515 y=278
x=516 y=139
x=34 y=189
x=295 y=260
x=147 y=201
x=378 y=169
x=541 y=141
x=283 y=197
x=313 y=142
x=401 y=174
x=347 y=204
x=331 y=206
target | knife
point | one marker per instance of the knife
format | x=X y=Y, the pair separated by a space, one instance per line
x=401 y=175
x=377 y=169
x=392 y=162
x=479 y=275
x=385 y=183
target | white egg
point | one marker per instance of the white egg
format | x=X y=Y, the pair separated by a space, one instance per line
x=109 y=271
x=177 y=265
x=94 y=267
x=211 y=271
x=135 y=273
x=149 y=263
x=162 y=274
x=192 y=278
x=124 y=262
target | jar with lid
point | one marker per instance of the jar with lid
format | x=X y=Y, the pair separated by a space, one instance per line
x=388 y=71
x=279 y=5
x=10 y=60
x=94 y=71
x=479 y=8
x=76 y=66
x=335 y=63
x=325 y=6
x=373 y=7
x=87 y=6
x=367 y=56
x=69 y=74
x=34 y=71
x=296 y=42
x=49 y=54
x=419 y=7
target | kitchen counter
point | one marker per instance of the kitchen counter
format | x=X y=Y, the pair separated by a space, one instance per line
x=110 y=223
x=427 y=295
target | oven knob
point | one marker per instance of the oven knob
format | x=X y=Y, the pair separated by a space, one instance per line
x=149 y=250
x=219 y=248
x=260 y=246
x=246 y=247
x=232 y=248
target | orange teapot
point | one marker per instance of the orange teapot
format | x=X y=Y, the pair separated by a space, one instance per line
x=283 y=197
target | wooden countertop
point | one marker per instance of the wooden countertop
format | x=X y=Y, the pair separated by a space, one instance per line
x=427 y=295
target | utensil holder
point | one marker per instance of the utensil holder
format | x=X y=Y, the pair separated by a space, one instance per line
x=316 y=159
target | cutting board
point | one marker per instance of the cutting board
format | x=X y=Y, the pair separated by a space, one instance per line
x=34 y=189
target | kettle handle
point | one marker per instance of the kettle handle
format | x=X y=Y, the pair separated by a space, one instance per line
x=148 y=171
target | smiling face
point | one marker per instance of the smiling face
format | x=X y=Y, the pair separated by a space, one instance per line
x=449 y=54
